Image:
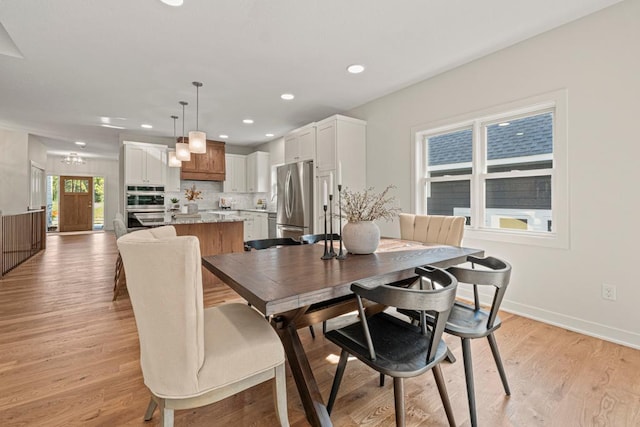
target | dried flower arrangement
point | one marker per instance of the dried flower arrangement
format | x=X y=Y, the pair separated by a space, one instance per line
x=367 y=205
x=192 y=194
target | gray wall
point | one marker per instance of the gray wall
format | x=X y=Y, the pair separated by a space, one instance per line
x=596 y=60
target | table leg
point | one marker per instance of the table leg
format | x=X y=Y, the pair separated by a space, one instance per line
x=314 y=406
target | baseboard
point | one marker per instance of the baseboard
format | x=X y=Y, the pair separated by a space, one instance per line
x=585 y=327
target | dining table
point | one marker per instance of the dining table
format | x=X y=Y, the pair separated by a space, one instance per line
x=294 y=287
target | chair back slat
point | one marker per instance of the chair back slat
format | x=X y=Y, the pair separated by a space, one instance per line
x=269 y=243
x=442 y=229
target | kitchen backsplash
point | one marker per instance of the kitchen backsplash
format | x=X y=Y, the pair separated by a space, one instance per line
x=211 y=193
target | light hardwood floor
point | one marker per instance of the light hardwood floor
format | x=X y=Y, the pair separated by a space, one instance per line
x=69 y=356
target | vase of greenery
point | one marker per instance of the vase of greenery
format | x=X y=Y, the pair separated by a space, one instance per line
x=175 y=205
x=361 y=234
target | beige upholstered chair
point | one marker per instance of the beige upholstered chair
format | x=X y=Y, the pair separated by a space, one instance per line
x=446 y=230
x=192 y=356
x=119 y=279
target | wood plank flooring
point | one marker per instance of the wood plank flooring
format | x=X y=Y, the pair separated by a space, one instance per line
x=69 y=356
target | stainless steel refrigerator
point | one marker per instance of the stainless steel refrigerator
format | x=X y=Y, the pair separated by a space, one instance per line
x=295 y=200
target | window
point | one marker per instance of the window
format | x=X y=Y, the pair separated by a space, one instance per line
x=504 y=171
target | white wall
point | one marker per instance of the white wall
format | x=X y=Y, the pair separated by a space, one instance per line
x=596 y=59
x=106 y=168
x=14 y=172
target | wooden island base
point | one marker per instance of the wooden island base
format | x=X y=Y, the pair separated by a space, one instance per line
x=215 y=238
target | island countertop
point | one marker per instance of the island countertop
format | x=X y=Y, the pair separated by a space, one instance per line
x=170 y=218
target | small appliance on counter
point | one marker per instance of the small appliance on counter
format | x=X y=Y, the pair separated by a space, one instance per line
x=225 y=202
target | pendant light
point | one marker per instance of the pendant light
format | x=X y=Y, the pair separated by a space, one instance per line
x=174 y=162
x=197 y=139
x=182 y=148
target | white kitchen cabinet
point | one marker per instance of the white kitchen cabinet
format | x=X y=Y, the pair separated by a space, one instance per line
x=341 y=141
x=236 y=170
x=256 y=225
x=300 y=145
x=145 y=164
x=258 y=172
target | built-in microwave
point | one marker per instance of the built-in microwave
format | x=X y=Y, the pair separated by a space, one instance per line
x=143 y=197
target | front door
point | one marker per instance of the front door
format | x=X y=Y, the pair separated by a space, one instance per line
x=76 y=203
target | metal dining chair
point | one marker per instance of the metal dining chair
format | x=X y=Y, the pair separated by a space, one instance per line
x=393 y=346
x=270 y=243
x=471 y=321
x=315 y=238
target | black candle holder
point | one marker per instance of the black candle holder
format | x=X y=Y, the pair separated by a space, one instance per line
x=332 y=252
x=342 y=254
x=326 y=254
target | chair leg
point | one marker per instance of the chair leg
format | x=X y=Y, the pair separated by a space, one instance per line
x=344 y=356
x=313 y=333
x=468 y=374
x=152 y=407
x=398 y=397
x=442 y=389
x=280 y=396
x=324 y=327
x=450 y=357
x=381 y=380
x=166 y=414
x=496 y=356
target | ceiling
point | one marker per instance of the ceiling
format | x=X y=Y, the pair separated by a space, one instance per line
x=65 y=64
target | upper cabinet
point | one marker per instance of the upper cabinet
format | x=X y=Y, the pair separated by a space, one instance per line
x=340 y=138
x=258 y=172
x=209 y=166
x=300 y=145
x=145 y=164
x=235 y=181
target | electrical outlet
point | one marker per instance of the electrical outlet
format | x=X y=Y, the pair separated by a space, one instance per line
x=609 y=292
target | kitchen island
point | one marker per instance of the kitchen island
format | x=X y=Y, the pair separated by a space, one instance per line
x=218 y=233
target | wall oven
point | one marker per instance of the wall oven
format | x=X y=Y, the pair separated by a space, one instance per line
x=143 y=198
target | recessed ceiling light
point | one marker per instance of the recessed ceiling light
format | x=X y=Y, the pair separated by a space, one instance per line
x=146 y=126
x=247 y=121
x=504 y=124
x=223 y=136
x=355 y=68
x=173 y=2
x=111 y=126
x=287 y=96
x=268 y=135
x=81 y=143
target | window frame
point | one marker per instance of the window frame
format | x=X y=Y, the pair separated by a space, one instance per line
x=555 y=102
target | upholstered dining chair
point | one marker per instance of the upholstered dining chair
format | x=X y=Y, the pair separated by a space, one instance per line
x=396 y=347
x=445 y=230
x=471 y=321
x=192 y=356
x=119 y=279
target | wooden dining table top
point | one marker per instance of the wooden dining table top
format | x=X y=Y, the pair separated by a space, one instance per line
x=286 y=278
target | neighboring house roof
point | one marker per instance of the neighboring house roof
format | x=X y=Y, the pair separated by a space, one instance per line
x=522 y=137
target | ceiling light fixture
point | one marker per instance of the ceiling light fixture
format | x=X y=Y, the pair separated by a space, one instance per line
x=146 y=126
x=73 y=159
x=111 y=126
x=81 y=144
x=174 y=162
x=197 y=139
x=174 y=3
x=247 y=121
x=287 y=96
x=268 y=135
x=223 y=136
x=182 y=148
x=355 y=68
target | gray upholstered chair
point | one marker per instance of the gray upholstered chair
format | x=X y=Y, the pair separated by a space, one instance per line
x=471 y=321
x=396 y=347
x=192 y=356
x=119 y=279
x=445 y=230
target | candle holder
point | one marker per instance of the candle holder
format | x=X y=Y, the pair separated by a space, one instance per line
x=341 y=254
x=332 y=252
x=326 y=254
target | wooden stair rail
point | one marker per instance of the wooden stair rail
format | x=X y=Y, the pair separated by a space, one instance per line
x=21 y=236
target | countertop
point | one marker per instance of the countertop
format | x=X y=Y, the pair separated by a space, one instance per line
x=171 y=218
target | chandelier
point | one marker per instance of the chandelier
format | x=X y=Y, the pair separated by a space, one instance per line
x=73 y=159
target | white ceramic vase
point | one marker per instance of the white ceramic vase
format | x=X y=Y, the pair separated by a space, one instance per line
x=361 y=237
